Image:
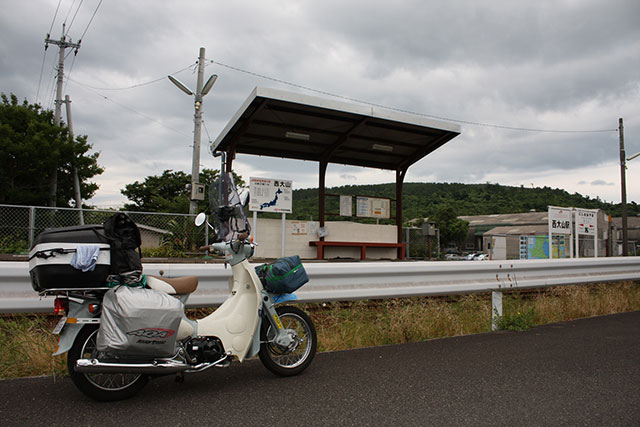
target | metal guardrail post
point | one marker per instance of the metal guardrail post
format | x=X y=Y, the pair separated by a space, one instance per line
x=496 y=309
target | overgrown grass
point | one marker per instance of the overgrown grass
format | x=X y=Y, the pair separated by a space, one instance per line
x=26 y=347
x=345 y=325
x=27 y=343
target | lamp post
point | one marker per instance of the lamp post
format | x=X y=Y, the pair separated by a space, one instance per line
x=197 y=191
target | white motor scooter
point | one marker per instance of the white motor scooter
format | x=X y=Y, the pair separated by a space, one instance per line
x=247 y=324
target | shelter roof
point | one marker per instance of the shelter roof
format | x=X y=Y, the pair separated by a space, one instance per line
x=527 y=218
x=517 y=230
x=284 y=124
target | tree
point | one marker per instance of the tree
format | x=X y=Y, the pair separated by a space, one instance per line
x=169 y=192
x=32 y=146
x=452 y=229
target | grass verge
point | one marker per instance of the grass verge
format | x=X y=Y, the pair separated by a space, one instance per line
x=27 y=343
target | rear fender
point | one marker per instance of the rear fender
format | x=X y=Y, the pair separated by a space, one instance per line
x=72 y=328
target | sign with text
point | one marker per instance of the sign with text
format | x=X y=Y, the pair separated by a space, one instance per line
x=270 y=195
x=369 y=207
x=346 y=204
x=586 y=222
x=559 y=220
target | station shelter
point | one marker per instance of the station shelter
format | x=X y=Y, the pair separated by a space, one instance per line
x=290 y=125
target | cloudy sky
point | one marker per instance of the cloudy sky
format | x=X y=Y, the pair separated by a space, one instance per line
x=558 y=67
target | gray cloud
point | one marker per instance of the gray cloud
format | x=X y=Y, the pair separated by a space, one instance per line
x=545 y=65
x=601 y=182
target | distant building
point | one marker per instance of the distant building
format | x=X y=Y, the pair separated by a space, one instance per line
x=152 y=237
x=633 y=235
x=506 y=236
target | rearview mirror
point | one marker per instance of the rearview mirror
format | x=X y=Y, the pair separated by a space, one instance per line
x=200 y=219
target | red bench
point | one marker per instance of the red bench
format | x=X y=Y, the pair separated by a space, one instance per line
x=362 y=245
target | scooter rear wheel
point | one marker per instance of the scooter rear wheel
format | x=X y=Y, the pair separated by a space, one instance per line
x=288 y=361
x=103 y=387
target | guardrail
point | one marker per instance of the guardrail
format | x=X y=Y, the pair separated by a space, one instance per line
x=366 y=280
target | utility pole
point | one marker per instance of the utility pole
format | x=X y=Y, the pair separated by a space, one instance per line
x=197 y=189
x=76 y=180
x=62 y=44
x=623 y=185
x=197 y=133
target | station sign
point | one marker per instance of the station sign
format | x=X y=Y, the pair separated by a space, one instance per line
x=559 y=220
x=270 y=195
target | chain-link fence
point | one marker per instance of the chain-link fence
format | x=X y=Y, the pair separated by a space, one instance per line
x=162 y=234
x=421 y=244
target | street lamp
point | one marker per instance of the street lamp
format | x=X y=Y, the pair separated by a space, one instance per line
x=197 y=190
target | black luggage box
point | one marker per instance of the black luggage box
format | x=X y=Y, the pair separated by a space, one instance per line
x=50 y=258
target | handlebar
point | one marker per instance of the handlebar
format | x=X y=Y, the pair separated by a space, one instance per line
x=224 y=247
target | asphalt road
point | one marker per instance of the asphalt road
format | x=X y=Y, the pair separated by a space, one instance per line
x=584 y=372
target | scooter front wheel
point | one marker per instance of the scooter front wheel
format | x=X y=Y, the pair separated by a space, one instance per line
x=291 y=360
x=103 y=387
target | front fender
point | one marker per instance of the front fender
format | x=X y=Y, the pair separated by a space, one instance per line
x=72 y=327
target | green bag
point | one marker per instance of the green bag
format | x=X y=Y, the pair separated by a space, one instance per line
x=283 y=276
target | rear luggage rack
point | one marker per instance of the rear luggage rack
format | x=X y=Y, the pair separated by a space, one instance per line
x=67 y=291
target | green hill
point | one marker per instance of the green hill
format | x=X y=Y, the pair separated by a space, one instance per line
x=421 y=199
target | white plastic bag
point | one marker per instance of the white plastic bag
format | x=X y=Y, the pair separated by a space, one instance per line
x=139 y=322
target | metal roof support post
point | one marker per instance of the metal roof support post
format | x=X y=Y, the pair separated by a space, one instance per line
x=229 y=160
x=321 y=193
x=400 y=174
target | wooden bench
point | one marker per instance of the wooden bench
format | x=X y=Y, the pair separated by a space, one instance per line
x=362 y=245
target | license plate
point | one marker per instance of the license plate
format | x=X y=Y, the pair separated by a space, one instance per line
x=60 y=325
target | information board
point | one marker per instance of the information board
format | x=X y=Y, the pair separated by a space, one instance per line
x=346 y=206
x=270 y=195
x=369 y=207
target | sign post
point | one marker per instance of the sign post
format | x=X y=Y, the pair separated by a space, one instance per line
x=559 y=223
x=271 y=195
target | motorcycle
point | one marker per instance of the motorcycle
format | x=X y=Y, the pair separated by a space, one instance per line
x=250 y=322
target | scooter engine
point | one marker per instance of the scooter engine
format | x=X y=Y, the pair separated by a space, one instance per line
x=205 y=349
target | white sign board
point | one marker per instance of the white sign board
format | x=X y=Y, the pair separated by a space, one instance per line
x=559 y=220
x=346 y=203
x=586 y=222
x=270 y=195
x=369 y=207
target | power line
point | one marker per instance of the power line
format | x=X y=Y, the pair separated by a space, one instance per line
x=135 y=111
x=135 y=85
x=74 y=17
x=69 y=73
x=90 y=20
x=54 y=16
x=44 y=57
x=467 y=122
x=68 y=13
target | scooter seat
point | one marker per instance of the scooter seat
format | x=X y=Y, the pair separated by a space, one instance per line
x=173 y=286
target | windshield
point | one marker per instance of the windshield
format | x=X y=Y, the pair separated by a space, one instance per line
x=227 y=209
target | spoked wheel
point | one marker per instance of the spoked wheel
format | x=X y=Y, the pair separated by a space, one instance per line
x=104 y=387
x=291 y=360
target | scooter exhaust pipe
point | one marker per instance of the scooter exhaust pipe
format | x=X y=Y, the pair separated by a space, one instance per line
x=94 y=366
